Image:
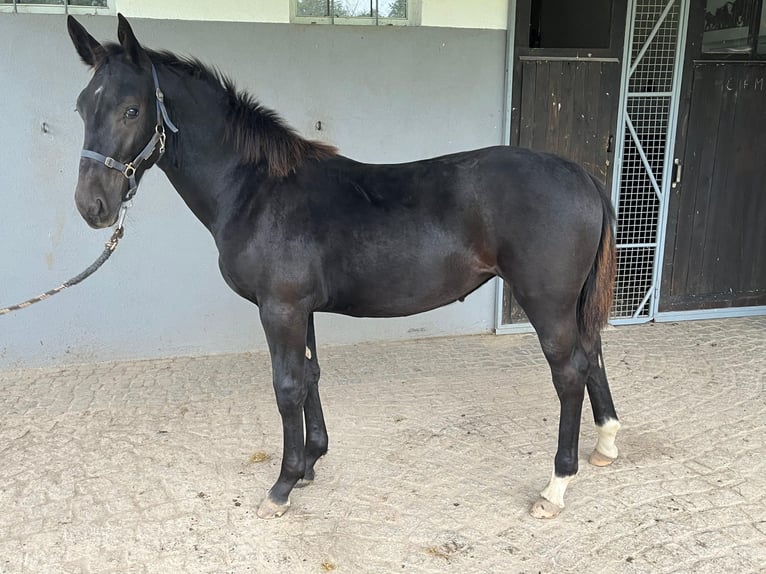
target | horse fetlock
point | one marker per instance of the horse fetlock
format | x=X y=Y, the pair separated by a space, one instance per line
x=566 y=464
x=316 y=445
x=308 y=476
x=554 y=491
x=607 y=432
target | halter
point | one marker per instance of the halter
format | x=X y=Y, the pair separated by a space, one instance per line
x=129 y=169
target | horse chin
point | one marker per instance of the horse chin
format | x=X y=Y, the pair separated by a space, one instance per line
x=101 y=222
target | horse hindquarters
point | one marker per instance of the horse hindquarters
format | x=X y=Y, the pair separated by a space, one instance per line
x=568 y=325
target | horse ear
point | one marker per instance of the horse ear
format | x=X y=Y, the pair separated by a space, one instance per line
x=128 y=40
x=91 y=52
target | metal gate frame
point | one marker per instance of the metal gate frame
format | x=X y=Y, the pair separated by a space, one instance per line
x=630 y=254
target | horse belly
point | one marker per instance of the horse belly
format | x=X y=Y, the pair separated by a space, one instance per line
x=407 y=285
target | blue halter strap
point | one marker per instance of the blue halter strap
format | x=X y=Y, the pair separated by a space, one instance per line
x=157 y=139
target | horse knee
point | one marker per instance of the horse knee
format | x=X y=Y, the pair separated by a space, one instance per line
x=290 y=392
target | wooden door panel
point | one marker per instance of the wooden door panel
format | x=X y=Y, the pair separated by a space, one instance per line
x=570 y=108
x=716 y=233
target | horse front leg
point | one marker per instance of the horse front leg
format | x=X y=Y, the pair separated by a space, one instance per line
x=286 y=328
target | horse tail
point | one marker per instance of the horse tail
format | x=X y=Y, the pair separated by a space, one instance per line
x=597 y=293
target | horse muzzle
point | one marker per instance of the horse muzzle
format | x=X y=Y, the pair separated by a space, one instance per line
x=96 y=208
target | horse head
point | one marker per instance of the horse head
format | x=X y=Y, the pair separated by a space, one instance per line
x=118 y=109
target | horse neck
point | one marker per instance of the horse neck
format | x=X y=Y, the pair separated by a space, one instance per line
x=199 y=161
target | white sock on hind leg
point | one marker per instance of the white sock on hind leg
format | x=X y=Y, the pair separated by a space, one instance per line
x=606 y=435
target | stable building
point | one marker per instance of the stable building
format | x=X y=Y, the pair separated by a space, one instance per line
x=662 y=100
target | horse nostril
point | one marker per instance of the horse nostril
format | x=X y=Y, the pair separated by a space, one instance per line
x=100 y=207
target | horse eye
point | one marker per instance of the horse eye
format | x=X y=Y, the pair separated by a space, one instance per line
x=131 y=113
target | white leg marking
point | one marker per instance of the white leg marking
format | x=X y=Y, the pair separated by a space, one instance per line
x=556 y=488
x=308 y=353
x=606 y=435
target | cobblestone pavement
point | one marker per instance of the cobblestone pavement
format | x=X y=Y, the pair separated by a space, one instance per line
x=437 y=448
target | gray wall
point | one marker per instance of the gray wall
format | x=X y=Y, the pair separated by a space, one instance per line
x=382 y=95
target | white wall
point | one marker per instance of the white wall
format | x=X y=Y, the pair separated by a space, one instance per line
x=431 y=91
x=277 y=11
x=487 y=14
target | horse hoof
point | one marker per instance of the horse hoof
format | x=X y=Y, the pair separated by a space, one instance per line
x=304 y=482
x=543 y=508
x=598 y=459
x=270 y=509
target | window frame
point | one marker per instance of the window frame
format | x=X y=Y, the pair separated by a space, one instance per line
x=412 y=19
x=758 y=53
x=612 y=53
x=64 y=7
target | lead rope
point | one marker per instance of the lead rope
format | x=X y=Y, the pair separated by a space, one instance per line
x=129 y=171
x=109 y=248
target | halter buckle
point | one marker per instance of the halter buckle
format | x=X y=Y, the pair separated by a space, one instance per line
x=129 y=171
x=109 y=162
x=160 y=131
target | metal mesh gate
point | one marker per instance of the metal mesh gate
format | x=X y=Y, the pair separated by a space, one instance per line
x=647 y=126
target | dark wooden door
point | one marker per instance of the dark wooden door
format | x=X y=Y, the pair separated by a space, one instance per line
x=566 y=86
x=569 y=107
x=715 y=246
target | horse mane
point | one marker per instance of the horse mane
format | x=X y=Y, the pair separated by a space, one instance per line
x=261 y=135
x=258 y=133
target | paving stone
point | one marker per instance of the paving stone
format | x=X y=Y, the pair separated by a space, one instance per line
x=437 y=449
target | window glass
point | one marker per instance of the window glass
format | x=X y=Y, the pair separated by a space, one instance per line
x=392 y=8
x=352 y=8
x=762 y=32
x=318 y=8
x=87 y=3
x=567 y=24
x=727 y=26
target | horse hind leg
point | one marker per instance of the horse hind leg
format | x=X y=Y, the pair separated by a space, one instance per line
x=559 y=339
x=604 y=414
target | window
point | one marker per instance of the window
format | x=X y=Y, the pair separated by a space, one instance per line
x=58 y=6
x=762 y=33
x=734 y=27
x=369 y=12
x=567 y=24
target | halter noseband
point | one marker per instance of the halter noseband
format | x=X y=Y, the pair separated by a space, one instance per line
x=129 y=169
